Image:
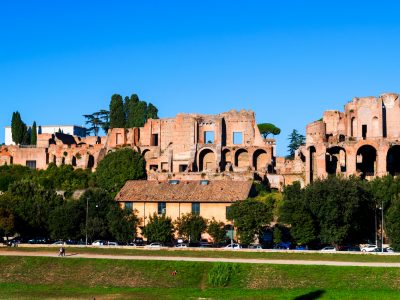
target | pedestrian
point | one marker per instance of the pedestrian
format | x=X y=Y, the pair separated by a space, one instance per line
x=60 y=252
x=63 y=251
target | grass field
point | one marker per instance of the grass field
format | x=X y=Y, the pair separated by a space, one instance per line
x=221 y=254
x=80 y=278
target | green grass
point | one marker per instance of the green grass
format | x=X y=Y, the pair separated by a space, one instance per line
x=221 y=254
x=49 y=278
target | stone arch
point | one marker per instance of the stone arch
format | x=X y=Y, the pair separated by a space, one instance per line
x=260 y=160
x=375 y=127
x=146 y=154
x=335 y=160
x=353 y=127
x=366 y=161
x=90 y=163
x=226 y=159
x=207 y=160
x=393 y=160
x=73 y=161
x=242 y=158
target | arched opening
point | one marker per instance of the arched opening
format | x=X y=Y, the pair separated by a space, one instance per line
x=393 y=160
x=260 y=160
x=375 y=127
x=226 y=159
x=313 y=169
x=90 y=163
x=73 y=161
x=207 y=160
x=353 y=127
x=146 y=154
x=242 y=158
x=335 y=160
x=366 y=161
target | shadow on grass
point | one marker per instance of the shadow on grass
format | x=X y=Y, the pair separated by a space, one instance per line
x=311 y=296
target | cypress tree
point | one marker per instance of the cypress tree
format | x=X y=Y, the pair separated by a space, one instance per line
x=139 y=114
x=34 y=134
x=130 y=109
x=117 y=115
x=18 y=128
x=152 y=112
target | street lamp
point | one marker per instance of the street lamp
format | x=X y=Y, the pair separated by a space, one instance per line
x=87 y=213
x=232 y=231
x=382 y=228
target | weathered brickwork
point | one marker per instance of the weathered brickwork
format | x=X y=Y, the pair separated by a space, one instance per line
x=189 y=146
x=364 y=140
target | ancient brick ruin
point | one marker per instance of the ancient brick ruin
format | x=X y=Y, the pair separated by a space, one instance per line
x=227 y=146
x=364 y=140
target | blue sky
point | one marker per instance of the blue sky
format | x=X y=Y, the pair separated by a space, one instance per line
x=286 y=60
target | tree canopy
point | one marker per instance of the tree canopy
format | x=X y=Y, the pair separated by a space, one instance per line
x=295 y=141
x=117 y=167
x=117 y=115
x=268 y=128
x=250 y=218
x=159 y=229
x=191 y=226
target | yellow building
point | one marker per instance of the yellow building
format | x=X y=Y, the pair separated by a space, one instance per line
x=210 y=199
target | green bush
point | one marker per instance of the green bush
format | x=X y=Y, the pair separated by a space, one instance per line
x=221 y=274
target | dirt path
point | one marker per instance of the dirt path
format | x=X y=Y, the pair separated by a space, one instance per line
x=204 y=259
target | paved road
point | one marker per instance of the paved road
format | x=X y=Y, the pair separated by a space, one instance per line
x=204 y=259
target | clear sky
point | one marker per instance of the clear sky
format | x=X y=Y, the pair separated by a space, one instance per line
x=286 y=60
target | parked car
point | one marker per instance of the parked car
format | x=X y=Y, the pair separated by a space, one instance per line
x=59 y=243
x=389 y=250
x=98 y=243
x=255 y=246
x=182 y=245
x=301 y=247
x=233 y=246
x=154 y=245
x=38 y=240
x=328 y=249
x=132 y=244
x=112 y=244
x=369 y=248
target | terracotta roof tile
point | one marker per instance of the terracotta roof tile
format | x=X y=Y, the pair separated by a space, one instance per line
x=184 y=191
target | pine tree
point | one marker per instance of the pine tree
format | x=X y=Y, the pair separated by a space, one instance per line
x=34 y=134
x=117 y=115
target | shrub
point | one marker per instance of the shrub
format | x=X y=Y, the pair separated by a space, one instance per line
x=221 y=273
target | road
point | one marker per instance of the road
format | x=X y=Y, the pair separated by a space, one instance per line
x=203 y=259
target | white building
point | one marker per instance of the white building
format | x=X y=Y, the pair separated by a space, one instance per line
x=67 y=129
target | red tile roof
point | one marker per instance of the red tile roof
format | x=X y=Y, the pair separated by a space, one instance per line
x=184 y=191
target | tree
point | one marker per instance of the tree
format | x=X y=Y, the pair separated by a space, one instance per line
x=95 y=122
x=117 y=115
x=392 y=225
x=152 y=112
x=65 y=221
x=139 y=114
x=217 y=231
x=7 y=224
x=118 y=167
x=295 y=141
x=105 y=118
x=123 y=224
x=191 y=226
x=32 y=205
x=34 y=134
x=334 y=211
x=250 y=218
x=18 y=128
x=159 y=229
x=268 y=128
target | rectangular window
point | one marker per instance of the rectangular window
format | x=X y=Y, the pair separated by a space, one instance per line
x=129 y=206
x=31 y=164
x=237 y=138
x=208 y=137
x=154 y=140
x=162 y=208
x=196 y=208
x=364 y=132
x=118 y=139
x=228 y=208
